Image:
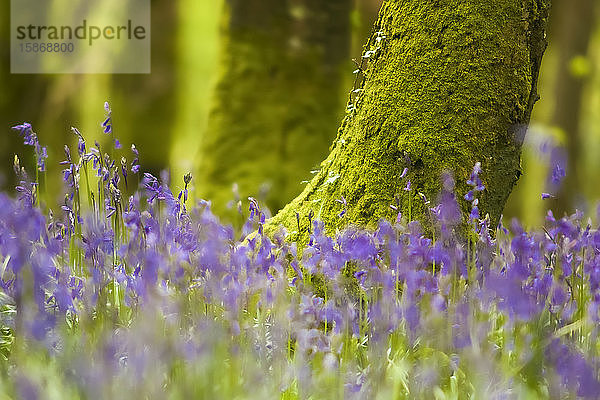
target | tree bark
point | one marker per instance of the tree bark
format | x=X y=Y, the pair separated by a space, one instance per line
x=277 y=100
x=449 y=83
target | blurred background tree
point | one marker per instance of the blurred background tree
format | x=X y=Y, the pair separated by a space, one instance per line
x=566 y=114
x=574 y=21
x=278 y=100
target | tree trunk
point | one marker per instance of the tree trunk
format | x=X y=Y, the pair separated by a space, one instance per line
x=449 y=83
x=135 y=94
x=278 y=97
x=574 y=21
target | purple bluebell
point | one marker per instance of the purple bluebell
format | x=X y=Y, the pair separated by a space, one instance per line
x=107 y=123
x=342 y=201
x=135 y=164
x=26 y=132
x=474 y=180
x=30 y=139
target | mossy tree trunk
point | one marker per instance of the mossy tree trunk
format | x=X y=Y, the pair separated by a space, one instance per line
x=449 y=83
x=278 y=99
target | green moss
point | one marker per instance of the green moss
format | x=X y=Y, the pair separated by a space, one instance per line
x=278 y=100
x=451 y=84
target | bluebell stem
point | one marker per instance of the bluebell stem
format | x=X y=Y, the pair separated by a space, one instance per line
x=311 y=214
x=187 y=178
x=124 y=169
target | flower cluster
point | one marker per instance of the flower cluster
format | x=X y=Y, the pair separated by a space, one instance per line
x=477 y=185
x=141 y=295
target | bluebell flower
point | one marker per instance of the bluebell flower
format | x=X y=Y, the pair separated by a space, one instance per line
x=342 y=201
x=26 y=132
x=558 y=173
x=30 y=138
x=474 y=180
x=546 y=196
x=27 y=193
x=26 y=388
x=135 y=164
x=107 y=123
x=474 y=215
x=80 y=141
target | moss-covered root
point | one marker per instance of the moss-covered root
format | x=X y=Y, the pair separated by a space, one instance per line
x=448 y=83
x=278 y=100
